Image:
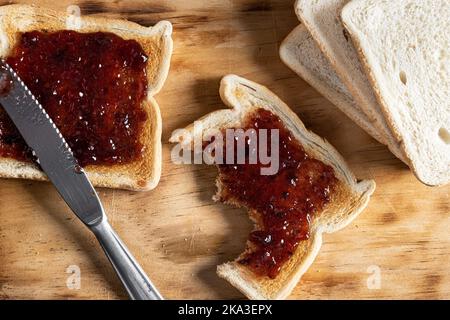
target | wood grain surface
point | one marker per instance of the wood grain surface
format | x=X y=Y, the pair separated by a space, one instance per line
x=177 y=232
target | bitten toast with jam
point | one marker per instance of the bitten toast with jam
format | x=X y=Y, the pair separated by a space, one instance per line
x=96 y=78
x=313 y=191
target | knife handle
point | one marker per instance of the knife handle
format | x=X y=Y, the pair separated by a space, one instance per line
x=134 y=279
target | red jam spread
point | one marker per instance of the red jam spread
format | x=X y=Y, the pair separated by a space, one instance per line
x=285 y=202
x=92 y=85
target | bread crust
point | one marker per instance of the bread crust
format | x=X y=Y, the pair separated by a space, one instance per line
x=156 y=42
x=350 y=198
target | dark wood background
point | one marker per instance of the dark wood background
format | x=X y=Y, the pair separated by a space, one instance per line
x=176 y=231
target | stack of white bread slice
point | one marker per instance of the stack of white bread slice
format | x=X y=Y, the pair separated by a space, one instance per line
x=386 y=65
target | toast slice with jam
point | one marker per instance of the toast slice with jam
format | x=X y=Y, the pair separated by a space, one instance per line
x=312 y=192
x=96 y=77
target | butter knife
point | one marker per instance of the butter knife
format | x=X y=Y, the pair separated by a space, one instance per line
x=58 y=162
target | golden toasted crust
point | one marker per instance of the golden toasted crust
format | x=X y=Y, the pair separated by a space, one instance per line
x=350 y=198
x=156 y=41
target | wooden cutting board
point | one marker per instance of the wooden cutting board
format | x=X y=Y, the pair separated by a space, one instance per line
x=399 y=247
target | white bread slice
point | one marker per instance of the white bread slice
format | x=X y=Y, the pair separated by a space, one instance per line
x=322 y=19
x=300 y=53
x=405 y=48
x=156 y=42
x=350 y=198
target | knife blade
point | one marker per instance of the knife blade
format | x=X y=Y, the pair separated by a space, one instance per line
x=57 y=160
x=52 y=151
